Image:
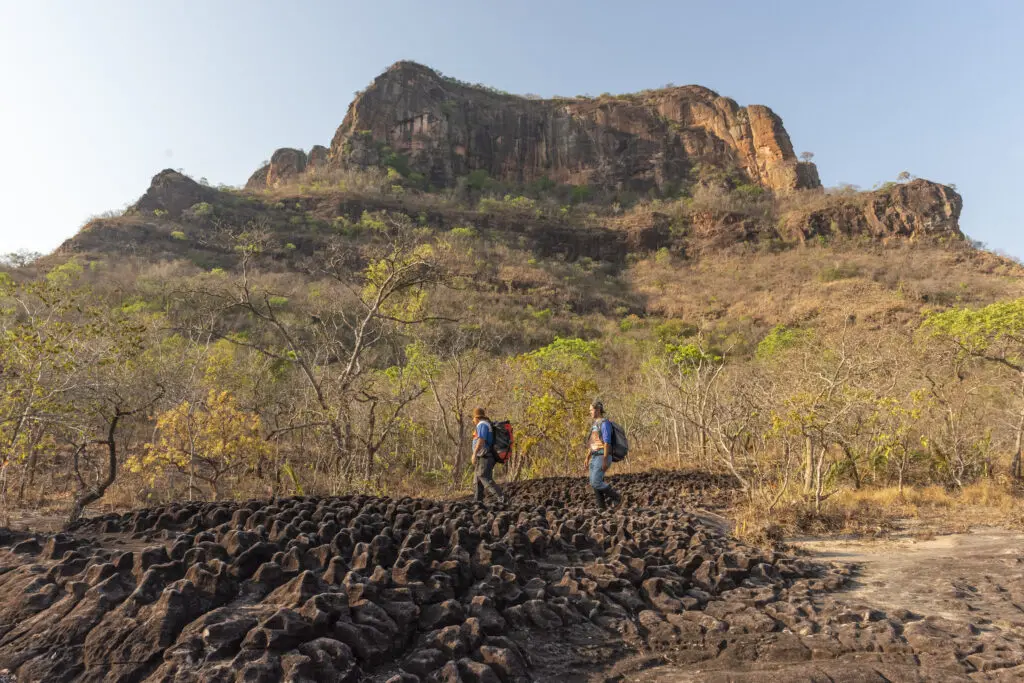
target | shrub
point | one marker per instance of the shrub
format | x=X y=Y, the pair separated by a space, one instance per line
x=478 y=180
x=840 y=271
x=579 y=194
x=463 y=231
x=779 y=339
x=178 y=235
x=201 y=209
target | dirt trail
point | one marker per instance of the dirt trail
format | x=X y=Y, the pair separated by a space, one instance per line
x=975 y=577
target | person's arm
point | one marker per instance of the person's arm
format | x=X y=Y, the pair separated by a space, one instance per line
x=586 y=460
x=606 y=440
x=481 y=440
x=479 y=444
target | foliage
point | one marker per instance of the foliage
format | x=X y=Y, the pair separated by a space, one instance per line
x=778 y=339
x=206 y=441
x=994 y=332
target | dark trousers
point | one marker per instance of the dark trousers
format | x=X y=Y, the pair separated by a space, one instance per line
x=485 y=477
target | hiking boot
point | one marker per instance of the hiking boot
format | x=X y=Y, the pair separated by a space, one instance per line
x=613 y=496
x=599 y=497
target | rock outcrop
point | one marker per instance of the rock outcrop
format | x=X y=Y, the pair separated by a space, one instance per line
x=359 y=588
x=317 y=156
x=172 y=192
x=653 y=139
x=915 y=209
x=285 y=163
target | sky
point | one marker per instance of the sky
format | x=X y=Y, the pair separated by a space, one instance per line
x=97 y=96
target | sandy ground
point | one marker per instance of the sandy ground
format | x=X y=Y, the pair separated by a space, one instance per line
x=975 y=577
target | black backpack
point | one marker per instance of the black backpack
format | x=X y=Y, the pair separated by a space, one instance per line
x=504 y=438
x=620 y=444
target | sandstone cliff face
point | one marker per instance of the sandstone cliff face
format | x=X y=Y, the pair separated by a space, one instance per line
x=648 y=140
x=914 y=209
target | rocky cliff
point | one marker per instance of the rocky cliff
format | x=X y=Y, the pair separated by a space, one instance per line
x=915 y=209
x=286 y=163
x=443 y=129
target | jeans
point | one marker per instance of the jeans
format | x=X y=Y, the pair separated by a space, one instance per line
x=485 y=477
x=596 y=474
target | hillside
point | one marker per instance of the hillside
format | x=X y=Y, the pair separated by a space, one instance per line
x=458 y=246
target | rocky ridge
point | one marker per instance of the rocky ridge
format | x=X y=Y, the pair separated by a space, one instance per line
x=444 y=129
x=916 y=209
x=364 y=588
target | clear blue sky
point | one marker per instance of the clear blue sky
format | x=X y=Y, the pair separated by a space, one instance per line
x=96 y=96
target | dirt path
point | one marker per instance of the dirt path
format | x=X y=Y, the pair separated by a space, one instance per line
x=976 y=577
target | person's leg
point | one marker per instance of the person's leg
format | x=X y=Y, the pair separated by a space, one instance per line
x=610 y=493
x=599 y=499
x=478 y=479
x=597 y=481
x=487 y=479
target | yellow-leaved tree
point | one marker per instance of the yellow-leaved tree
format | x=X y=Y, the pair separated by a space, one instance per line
x=206 y=441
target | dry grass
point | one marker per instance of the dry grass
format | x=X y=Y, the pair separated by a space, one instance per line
x=880 y=285
x=878 y=511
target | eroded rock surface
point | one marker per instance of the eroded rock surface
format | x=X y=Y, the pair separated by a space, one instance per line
x=919 y=208
x=363 y=588
x=444 y=129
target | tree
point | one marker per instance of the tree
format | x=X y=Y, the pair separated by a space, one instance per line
x=552 y=387
x=453 y=364
x=205 y=441
x=686 y=374
x=70 y=367
x=994 y=336
x=806 y=156
x=337 y=333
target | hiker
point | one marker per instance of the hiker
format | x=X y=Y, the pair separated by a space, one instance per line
x=599 y=456
x=484 y=457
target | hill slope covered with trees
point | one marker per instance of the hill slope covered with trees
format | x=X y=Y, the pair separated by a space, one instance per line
x=331 y=326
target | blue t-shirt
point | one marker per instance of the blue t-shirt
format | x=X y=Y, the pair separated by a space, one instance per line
x=604 y=427
x=483 y=431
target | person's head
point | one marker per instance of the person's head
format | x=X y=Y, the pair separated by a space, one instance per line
x=596 y=409
x=479 y=414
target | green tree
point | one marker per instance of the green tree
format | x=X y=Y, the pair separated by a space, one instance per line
x=994 y=336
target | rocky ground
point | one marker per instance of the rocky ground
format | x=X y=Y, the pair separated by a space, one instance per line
x=544 y=589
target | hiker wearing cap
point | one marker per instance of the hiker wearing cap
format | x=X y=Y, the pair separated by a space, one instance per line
x=599 y=456
x=484 y=457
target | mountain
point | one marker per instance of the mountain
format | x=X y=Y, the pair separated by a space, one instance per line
x=444 y=129
x=676 y=181
x=665 y=250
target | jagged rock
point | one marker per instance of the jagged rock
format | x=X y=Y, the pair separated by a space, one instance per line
x=446 y=129
x=285 y=163
x=915 y=209
x=424 y=661
x=317 y=156
x=648 y=576
x=173 y=193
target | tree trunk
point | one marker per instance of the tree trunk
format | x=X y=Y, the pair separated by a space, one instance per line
x=808 y=466
x=675 y=432
x=853 y=465
x=1015 y=465
x=819 y=479
x=87 y=496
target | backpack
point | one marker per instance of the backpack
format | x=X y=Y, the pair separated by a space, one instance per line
x=620 y=444
x=503 y=440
